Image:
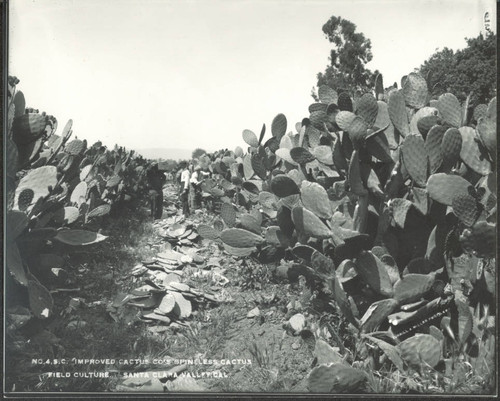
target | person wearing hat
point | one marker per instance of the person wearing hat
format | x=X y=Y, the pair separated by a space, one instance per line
x=195 y=188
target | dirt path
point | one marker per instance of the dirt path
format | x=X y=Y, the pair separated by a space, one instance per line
x=94 y=343
x=244 y=332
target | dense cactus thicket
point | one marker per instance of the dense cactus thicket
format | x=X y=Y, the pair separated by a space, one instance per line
x=386 y=204
x=383 y=204
x=56 y=187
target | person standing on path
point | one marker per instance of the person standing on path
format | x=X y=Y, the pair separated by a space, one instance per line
x=195 y=189
x=184 y=190
x=156 y=180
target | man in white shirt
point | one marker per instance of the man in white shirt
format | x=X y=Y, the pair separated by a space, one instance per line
x=185 y=178
x=195 y=189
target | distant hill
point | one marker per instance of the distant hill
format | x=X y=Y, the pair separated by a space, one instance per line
x=165 y=153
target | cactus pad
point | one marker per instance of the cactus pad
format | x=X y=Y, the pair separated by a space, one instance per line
x=99 y=211
x=414 y=158
x=373 y=272
x=183 y=307
x=433 y=147
x=487 y=129
x=355 y=182
x=14 y=263
x=70 y=215
x=335 y=378
x=283 y=186
x=420 y=200
x=208 y=232
x=167 y=304
x=317 y=107
x=284 y=153
x=323 y=154
x=377 y=313
x=412 y=287
x=466 y=208
x=25 y=199
x=113 y=181
x=79 y=194
x=275 y=236
x=443 y=187
x=247 y=166
x=38 y=180
x=470 y=152
x=424 y=124
x=451 y=146
x=307 y=223
x=419 y=115
x=415 y=90
x=239 y=252
x=301 y=155
x=250 y=138
x=41 y=302
x=258 y=165
x=397 y=112
x=79 y=237
x=318 y=118
x=238 y=151
x=357 y=130
x=327 y=95
x=450 y=110
x=20 y=103
x=228 y=214
x=239 y=238
x=383 y=120
x=278 y=126
x=315 y=198
x=480 y=239
x=75 y=147
x=250 y=223
x=344 y=119
x=345 y=102
x=367 y=109
x=422 y=348
x=27 y=128
x=399 y=208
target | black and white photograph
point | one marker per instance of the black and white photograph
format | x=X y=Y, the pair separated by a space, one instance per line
x=249 y=198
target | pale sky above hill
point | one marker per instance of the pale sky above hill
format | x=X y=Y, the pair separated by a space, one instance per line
x=187 y=74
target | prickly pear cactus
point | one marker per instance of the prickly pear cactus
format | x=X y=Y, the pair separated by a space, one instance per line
x=412 y=287
x=466 y=208
x=480 y=239
x=421 y=349
x=336 y=378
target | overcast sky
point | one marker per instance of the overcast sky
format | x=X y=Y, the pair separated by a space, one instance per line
x=186 y=74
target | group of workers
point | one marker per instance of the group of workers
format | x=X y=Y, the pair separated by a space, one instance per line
x=190 y=179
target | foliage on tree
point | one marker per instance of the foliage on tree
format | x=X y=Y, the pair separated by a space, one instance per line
x=472 y=69
x=198 y=152
x=351 y=52
x=167 y=165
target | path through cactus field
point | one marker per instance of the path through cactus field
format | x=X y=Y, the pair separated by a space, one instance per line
x=353 y=253
x=153 y=296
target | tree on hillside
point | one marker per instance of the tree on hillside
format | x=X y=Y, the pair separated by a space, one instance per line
x=168 y=165
x=197 y=153
x=470 y=69
x=348 y=58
